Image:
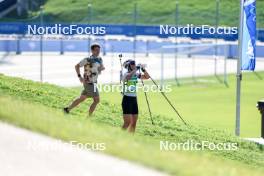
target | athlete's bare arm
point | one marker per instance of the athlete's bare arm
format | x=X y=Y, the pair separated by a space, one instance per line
x=101 y=68
x=77 y=69
x=129 y=75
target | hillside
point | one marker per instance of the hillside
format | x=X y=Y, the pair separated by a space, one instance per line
x=18 y=97
x=149 y=12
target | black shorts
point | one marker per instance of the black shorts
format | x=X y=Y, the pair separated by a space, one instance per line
x=129 y=105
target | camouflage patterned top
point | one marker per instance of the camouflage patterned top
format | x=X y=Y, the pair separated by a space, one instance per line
x=91 y=65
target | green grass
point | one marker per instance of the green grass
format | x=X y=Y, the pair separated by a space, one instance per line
x=44 y=102
x=138 y=148
x=149 y=12
x=207 y=103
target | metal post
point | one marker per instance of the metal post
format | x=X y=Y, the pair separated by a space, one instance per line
x=225 y=65
x=7 y=46
x=193 y=69
x=18 y=45
x=176 y=43
x=189 y=51
x=162 y=69
x=61 y=46
x=239 y=73
x=216 y=40
x=112 y=64
x=135 y=31
x=89 y=23
x=104 y=52
x=147 y=48
x=41 y=45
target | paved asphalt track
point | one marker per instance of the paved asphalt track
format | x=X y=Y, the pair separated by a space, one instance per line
x=59 y=69
x=23 y=153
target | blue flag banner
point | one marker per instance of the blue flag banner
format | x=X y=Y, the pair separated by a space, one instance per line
x=249 y=36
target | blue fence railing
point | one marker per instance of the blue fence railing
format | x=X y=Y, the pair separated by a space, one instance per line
x=128 y=30
x=118 y=46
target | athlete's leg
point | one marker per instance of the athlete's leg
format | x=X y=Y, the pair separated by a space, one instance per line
x=133 y=123
x=96 y=100
x=126 y=118
x=77 y=101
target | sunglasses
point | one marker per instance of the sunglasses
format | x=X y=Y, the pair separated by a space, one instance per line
x=132 y=63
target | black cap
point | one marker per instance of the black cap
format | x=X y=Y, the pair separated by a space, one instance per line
x=95 y=46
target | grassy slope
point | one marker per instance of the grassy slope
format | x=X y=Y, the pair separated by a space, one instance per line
x=209 y=104
x=141 y=148
x=150 y=12
x=108 y=114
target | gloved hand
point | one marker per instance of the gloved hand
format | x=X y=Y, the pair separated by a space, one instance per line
x=143 y=69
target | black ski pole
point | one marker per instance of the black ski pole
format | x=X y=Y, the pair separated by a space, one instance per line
x=146 y=97
x=164 y=95
x=121 y=70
